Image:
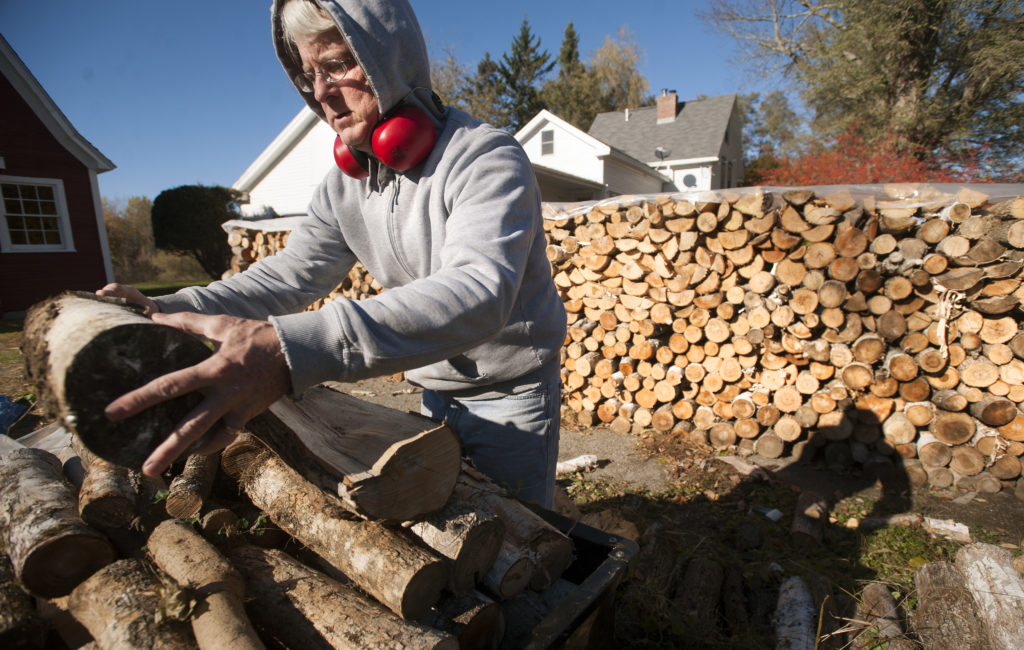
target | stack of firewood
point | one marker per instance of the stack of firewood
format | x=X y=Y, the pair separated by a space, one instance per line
x=863 y=325
x=323 y=499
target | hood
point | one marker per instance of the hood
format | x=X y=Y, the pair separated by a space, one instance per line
x=387 y=42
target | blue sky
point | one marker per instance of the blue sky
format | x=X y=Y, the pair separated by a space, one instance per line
x=185 y=92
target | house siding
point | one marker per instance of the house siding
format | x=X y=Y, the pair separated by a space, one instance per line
x=30 y=150
x=289 y=186
x=571 y=155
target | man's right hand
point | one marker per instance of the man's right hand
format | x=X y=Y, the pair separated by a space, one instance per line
x=131 y=294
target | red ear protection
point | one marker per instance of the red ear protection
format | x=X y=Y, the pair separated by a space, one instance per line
x=401 y=141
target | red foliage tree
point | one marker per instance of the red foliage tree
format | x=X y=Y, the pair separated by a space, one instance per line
x=850 y=160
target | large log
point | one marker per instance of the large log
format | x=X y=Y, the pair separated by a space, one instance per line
x=997 y=589
x=197 y=565
x=82 y=352
x=147 y=612
x=382 y=463
x=387 y=563
x=51 y=549
x=946 y=614
x=302 y=608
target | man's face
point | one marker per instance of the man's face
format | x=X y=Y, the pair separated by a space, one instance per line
x=348 y=104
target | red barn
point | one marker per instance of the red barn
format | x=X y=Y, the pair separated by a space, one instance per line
x=52 y=236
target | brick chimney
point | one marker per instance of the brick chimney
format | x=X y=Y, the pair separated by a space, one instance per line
x=667 y=106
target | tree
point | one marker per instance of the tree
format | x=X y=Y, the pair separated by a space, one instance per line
x=615 y=70
x=572 y=94
x=521 y=72
x=130 y=238
x=187 y=220
x=449 y=79
x=942 y=77
x=484 y=99
x=849 y=159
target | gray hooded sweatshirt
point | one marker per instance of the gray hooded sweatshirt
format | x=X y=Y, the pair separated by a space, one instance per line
x=470 y=307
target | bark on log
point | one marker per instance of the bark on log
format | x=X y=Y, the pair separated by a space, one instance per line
x=190 y=489
x=302 y=608
x=946 y=614
x=466 y=535
x=51 y=549
x=382 y=463
x=879 y=610
x=795 y=617
x=387 y=563
x=997 y=589
x=550 y=550
x=82 y=352
x=195 y=564
x=131 y=619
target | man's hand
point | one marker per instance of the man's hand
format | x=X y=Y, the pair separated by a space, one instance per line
x=246 y=374
x=129 y=293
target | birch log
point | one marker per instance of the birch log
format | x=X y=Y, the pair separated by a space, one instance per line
x=387 y=563
x=51 y=549
x=130 y=620
x=302 y=608
x=81 y=352
x=197 y=565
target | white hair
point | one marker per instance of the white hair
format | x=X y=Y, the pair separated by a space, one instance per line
x=305 y=20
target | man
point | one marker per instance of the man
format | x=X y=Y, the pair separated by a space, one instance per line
x=470 y=312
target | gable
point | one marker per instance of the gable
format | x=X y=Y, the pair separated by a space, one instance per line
x=554 y=144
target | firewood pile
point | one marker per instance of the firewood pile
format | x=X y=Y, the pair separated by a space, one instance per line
x=857 y=324
x=327 y=499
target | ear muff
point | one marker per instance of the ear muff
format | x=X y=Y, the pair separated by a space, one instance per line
x=401 y=141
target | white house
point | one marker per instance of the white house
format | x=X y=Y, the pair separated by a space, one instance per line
x=670 y=147
x=574 y=166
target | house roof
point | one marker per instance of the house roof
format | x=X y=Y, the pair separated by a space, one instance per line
x=18 y=74
x=697 y=132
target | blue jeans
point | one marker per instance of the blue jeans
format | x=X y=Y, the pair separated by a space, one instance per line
x=513 y=439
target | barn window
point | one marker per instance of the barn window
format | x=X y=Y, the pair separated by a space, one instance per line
x=34 y=215
x=547 y=142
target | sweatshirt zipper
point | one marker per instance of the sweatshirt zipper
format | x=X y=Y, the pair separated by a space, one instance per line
x=393 y=227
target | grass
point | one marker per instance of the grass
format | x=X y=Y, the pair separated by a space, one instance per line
x=152 y=289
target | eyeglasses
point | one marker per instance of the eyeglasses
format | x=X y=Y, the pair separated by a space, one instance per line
x=332 y=71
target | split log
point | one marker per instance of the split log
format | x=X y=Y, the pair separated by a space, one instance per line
x=190 y=489
x=468 y=536
x=997 y=589
x=302 y=608
x=385 y=562
x=51 y=549
x=197 y=565
x=82 y=352
x=382 y=463
x=147 y=612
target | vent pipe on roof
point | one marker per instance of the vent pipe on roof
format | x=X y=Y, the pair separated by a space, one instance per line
x=667 y=106
x=627 y=114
